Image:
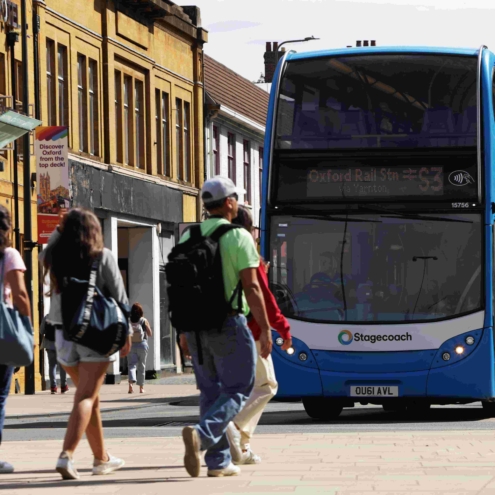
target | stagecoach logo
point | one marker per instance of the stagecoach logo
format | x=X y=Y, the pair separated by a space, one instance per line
x=345 y=337
x=460 y=178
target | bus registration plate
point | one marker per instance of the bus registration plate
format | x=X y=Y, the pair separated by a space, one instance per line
x=374 y=391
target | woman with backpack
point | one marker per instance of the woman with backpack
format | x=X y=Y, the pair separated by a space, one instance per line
x=139 y=350
x=72 y=249
x=47 y=331
x=15 y=294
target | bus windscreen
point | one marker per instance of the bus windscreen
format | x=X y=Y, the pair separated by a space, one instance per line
x=378 y=101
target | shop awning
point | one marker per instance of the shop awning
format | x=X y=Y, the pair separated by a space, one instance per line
x=13 y=125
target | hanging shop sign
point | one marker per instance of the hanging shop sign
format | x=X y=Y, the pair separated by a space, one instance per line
x=52 y=178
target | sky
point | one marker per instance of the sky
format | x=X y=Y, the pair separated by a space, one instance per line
x=238 y=29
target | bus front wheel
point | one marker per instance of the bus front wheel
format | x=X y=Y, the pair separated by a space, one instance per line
x=322 y=407
x=488 y=408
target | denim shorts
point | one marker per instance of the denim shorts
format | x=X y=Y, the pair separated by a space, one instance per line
x=70 y=353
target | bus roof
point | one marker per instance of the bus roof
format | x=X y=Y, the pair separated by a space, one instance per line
x=370 y=50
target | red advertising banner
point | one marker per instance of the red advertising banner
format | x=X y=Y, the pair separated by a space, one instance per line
x=52 y=177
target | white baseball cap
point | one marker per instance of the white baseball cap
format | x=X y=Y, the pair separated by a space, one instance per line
x=218 y=188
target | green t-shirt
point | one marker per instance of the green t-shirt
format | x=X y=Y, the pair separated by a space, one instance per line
x=238 y=252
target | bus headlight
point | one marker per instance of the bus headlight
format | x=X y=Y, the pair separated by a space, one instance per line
x=303 y=356
x=290 y=351
x=457 y=348
x=279 y=341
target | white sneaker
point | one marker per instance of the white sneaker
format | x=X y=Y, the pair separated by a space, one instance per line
x=113 y=463
x=230 y=470
x=249 y=457
x=6 y=468
x=65 y=467
x=234 y=437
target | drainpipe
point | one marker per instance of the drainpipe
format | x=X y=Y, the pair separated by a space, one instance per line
x=12 y=39
x=205 y=117
x=37 y=114
x=28 y=241
x=36 y=59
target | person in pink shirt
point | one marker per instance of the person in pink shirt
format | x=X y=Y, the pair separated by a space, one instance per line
x=15 y=294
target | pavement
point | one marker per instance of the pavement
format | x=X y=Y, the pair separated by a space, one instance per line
x=332 y=462
x=112 y=398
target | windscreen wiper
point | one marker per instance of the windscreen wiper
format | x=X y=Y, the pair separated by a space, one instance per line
x=337 y=219
x=310 y=213
x=412 y=216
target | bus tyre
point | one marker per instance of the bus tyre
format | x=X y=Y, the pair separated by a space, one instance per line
x=394 y=407
x=418 y=408
x=488 y=408
x=322 y=407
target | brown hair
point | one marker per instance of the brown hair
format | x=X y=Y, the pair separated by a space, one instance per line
x=244 y=218
x=136 y=312
x=80 y=242
x=5 y=226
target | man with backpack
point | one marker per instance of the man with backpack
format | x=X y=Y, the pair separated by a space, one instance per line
x=212 y=286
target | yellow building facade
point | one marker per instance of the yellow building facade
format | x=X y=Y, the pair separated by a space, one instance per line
x=126 y=77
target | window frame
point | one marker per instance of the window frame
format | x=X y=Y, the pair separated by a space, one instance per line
x=62 y=86
x=132 y=111
x=165 y=101
x=127 y=122
x=50 y=82
x=3 y=74
x=82 y=100
x=231 y=151
x=246 y=170
x=118 y=98
x=139 y=125
x=261 y=152
x=216 y=149
x=162 y=118
x=186 y=131
x=93 y=121
x=178 y=138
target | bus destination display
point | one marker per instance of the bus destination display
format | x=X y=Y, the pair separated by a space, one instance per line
x=376 y=182
x=413 y=176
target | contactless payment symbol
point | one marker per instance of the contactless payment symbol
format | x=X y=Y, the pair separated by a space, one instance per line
x=460 y=178
x=345 y=337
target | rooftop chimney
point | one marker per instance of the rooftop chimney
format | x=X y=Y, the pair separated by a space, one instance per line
x=271 y=59
x=358 y=43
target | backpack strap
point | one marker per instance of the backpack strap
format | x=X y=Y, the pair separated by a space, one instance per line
x=88 y=308
x=142 y=322
x=196 y=232
x=223 y=229
x=219 y=232
x=238 y=292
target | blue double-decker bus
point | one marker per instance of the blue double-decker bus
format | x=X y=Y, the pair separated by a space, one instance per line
x=377 y=217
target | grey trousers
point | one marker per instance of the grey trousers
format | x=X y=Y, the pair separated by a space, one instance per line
x=136 y=360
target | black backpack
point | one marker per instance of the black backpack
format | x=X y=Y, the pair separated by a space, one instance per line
x=196 y=292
